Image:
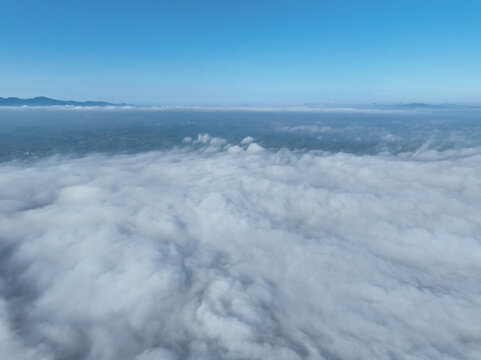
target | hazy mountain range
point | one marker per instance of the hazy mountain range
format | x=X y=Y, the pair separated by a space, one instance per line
x=45 y=101
x=417 y=105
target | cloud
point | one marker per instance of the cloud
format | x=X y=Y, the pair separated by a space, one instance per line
x=215 y=250
x=247 y=140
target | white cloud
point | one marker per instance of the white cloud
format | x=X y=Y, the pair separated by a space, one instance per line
x=247 y=140
x=224 y=252
x=254 y=148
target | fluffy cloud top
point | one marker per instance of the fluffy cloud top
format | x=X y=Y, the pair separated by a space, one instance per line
x=219 y=251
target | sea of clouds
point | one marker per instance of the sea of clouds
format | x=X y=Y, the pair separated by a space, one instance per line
x=221 y=251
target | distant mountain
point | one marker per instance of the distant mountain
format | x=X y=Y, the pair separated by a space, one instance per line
x=45 y=101
x=426 y=106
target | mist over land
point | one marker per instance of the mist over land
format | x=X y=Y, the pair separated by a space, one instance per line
x=240 y=180
x=239 y=234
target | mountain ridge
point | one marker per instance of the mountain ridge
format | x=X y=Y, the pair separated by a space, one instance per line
x=46 y=101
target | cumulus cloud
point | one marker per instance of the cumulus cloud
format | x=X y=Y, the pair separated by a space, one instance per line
x=247 y=140
x=225 y=251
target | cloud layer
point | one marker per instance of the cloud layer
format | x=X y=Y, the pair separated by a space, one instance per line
x=219 y=251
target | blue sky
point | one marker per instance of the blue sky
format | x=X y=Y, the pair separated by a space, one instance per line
x=234 y=52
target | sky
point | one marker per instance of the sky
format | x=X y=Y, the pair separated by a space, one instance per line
x=242 y=52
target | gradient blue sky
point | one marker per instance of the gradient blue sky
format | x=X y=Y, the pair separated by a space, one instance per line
x=233 y=52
